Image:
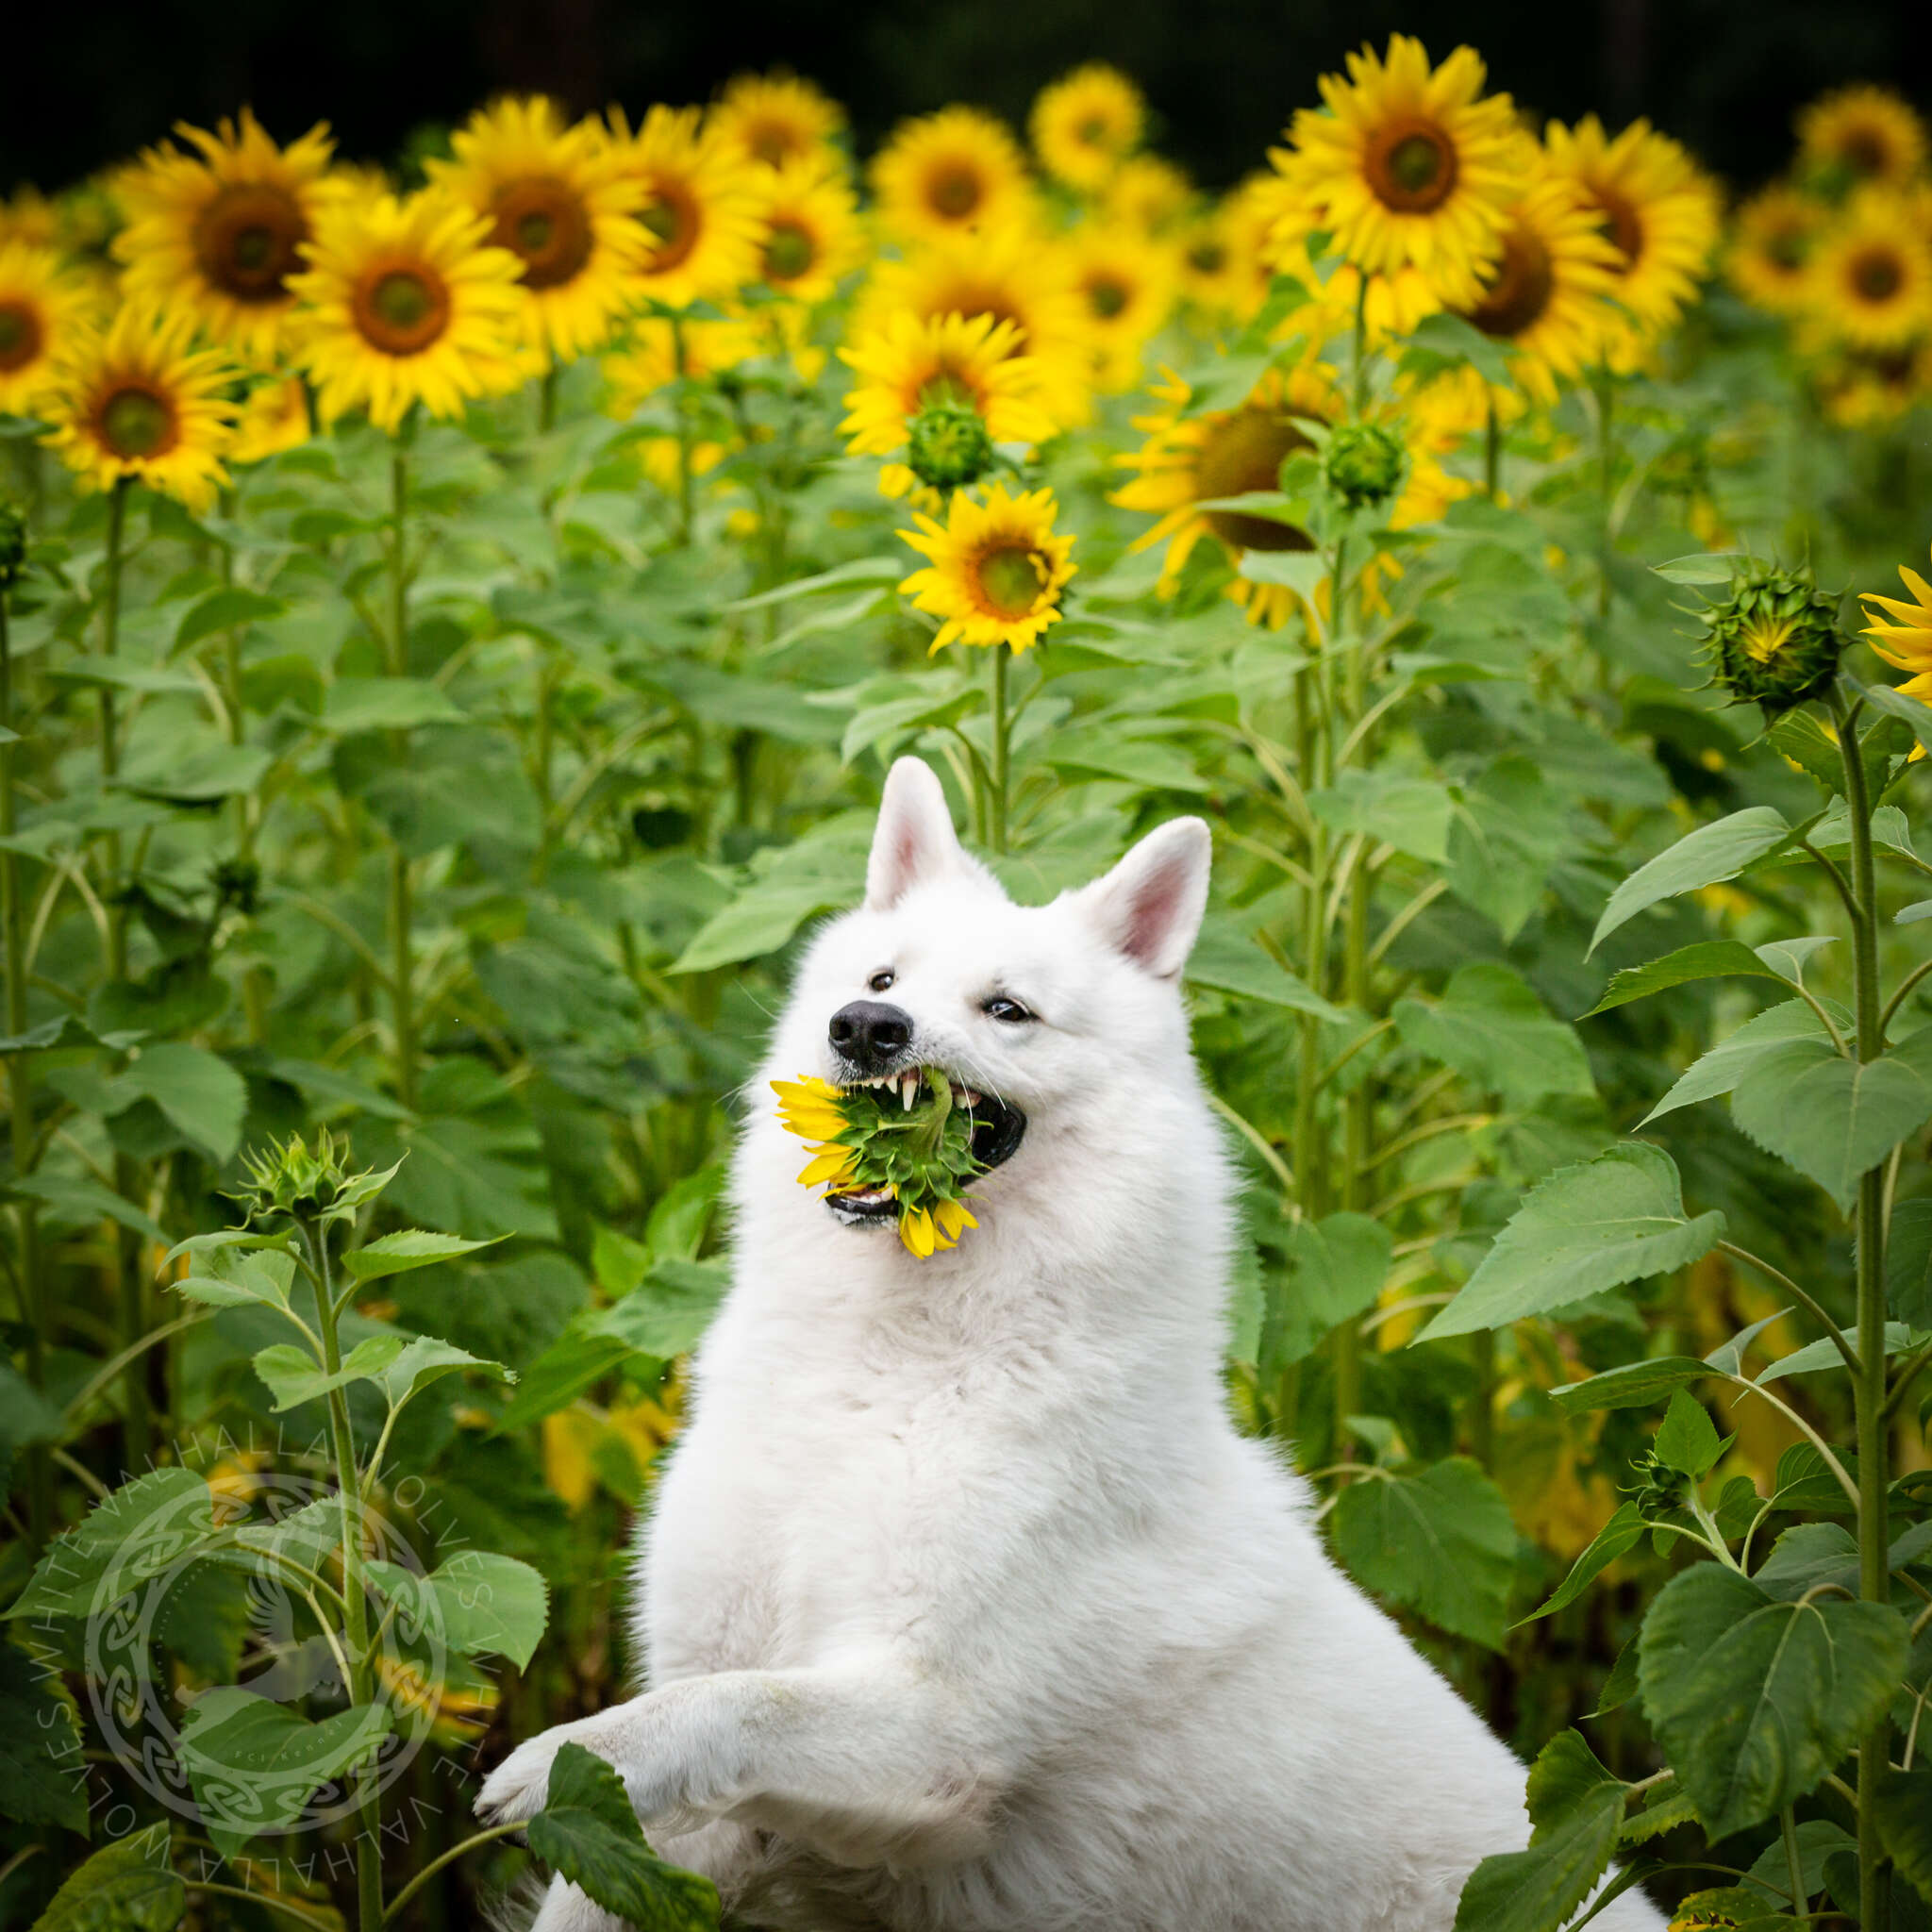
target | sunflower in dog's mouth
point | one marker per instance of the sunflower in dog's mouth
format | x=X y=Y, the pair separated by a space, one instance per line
x=899 y=1146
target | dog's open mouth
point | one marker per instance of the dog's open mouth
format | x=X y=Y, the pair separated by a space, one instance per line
x=996 y=1126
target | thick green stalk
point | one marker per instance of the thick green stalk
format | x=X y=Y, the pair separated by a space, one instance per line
x=1493 y=454
x=356 y=1608
x=1606 y=477
x=1875 y=1583
x=542 y=759
x=1357 y=1105
x=247 y=804
x=997 y=718
x=684 y=431
x=1306 y=1165
x=546 y=402
x=401 y=906
x=20 y=1097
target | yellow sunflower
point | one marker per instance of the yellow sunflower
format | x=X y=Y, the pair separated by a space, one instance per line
x=1128 y=285
x=813 y=236
x=996 y=572
x=141 y=402
x=775 y=118
x=808 y=1107
x=561 y=200
x=1901 y=633
x=1005 y=274
x=407 y=302
x=1544 y=296
x=1408 y=167
x=27 y=215
x=1147 y=194
x=1861 y=133
x=950 y=172
x=221 y=230
x=1776 y=232
x=649 y=358
x=1870 y=279
x=1657 y=207
x=698 y=199
x=1865 y=389
x=43 y=309
x=1086 y=124
x=905 y=366
x=274 y=417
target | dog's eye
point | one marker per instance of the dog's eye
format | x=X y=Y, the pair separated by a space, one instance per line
x=1001 y=1007
x=881 y=981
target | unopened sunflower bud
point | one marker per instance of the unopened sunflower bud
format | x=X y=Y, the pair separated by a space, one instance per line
x=1364 y=464
x=13 y=542
x=947 y=446
x=1774 y=639
x=286 y=1178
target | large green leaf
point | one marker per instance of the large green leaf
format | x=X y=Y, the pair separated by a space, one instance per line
x=1229 y=961
x=1905 y=1817
x=1335 y=1269
x=1492 y=1028
x=1512 y=829
x=1707 y=857
x=1439 y=1540
x=1755 y=1700
x=1720 y=1069
x=202 y=1095
x=1830 y=1117
x=400 y=1365
x=1411 y=814
x=386 y=704
x=413 y=1247
x=43 y=1774
x=129 y=1886
x=588 y=1833
x=1617 y=1537
x=1909 y=1262
x=669 y=1311
x=1708 y=959
x=136 y=1533
x=252 y=1763
x=1576 y=1808
x=482 y=1604
x=1588 y=1227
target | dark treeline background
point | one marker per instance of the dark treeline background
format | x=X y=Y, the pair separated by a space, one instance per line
x=87 y=81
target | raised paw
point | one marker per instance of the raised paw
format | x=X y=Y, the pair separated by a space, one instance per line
x=516 y=1790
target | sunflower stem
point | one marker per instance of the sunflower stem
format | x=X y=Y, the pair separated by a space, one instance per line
x=1000 y=723
x=546 y=402
x=1492 y=452
x=1607 y=478
x=21 y=1102
x=401 y=907
x=247 y=804
x=682 y=361
x=1361 y=347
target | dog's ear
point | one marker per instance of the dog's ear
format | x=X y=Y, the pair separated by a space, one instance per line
x=1150 y=905
x=914 y=839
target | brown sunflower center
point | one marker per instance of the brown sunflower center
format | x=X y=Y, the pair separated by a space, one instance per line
x=1010 y=581
x=135 y=421
x=1207 y=258
x=1620 y=222
x=20 y=334
x=1786 y=247
x=672 y=216
x=1516 y=293
x=247 y=239
x=1876 y=274
x=790 y=252
x=1411 y=166
x=1865 y=151
x=1093 y=131
x=544 y=223
x=773 y=142
x=1108 y=295
x=402 y=308
x=954 y=190
x=1243 y=453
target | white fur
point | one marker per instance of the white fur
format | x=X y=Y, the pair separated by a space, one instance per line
x=966 y=1607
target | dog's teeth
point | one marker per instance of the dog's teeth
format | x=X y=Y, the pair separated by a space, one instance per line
x=907 y=1089
x=967 y=1097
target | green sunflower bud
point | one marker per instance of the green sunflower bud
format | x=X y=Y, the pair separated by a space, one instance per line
x=1364 y=464
x=286 y=1178
x=947 y=446
x=13 y=542
x=1774 y=641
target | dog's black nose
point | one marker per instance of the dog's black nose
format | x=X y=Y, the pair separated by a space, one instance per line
x=870 y=1033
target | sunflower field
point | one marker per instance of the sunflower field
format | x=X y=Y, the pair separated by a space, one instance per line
x=455 y=619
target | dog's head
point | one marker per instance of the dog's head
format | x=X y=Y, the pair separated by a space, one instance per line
x=1054 y=1019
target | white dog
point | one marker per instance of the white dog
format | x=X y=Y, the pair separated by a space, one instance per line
x=964 y=1606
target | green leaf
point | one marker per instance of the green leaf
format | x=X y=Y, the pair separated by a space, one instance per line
x=79 y=1200
x=294 y=1377
x=1706 y=960
x=1492 y=1028
x=1909 y=1262
x=1576 y=1808
x=1228 y=961
x=884 y=570
x=669 y=1311
x=1686 y=1439
x=396 y=1253
x=1716 y=567
x=1807 y=1555
x=202 y=1095
x=1904 y=1806
x=1586 y=1227
x=123 y=1540
x=1707 y=857
x=198 y=776
x=43 y=1774
x=386 y=704
x=1830 y=1117
x=576 y=1361
x=1824 y=1353
x=1753 y=1700
x=227 y=608
x=1511 y=831
x=1899 y=704
x=1443 y=340
x=1411 y=814
x=588 y=1833
x=1818 y=1839
x=1440 y=1540
x=1617 y=1537
x=129 y=1886
x=252 y=1764
x=428 y=1359
x=236 y=1278
x=1720 y=1069
x=1335 y=1269
x=68 y=1029
x=482 y=1604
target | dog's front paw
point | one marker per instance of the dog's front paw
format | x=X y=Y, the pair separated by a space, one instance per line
x=516 y=1790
